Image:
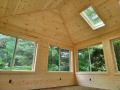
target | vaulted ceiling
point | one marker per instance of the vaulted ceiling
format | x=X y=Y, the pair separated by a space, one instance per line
x=59 y=19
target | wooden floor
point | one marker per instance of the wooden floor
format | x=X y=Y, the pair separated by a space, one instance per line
x=71 y=88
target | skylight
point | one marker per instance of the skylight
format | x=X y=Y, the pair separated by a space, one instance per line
x=92 y=18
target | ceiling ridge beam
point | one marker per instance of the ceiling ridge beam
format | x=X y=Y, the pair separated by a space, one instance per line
x=59 y=6
x=66 y=27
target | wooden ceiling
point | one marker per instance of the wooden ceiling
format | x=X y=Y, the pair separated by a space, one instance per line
x=60 y=16
x=79 y=30
x=12 y=7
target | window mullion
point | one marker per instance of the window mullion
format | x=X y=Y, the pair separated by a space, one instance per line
x=14 y=54
x=70 y=61
x=90 y=59
x=59 y=57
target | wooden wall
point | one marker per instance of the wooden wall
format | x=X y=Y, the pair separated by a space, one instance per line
x=45 y=27
x=109 y=80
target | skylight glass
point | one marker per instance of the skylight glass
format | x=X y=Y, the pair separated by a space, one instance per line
x=92 y=18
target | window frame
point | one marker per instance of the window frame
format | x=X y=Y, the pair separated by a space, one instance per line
x=34 y=57
x=70 y=61
x=86 y=18
x=90 y=72
x=114 y=56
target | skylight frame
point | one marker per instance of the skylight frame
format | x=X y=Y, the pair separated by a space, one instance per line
x=87 y=19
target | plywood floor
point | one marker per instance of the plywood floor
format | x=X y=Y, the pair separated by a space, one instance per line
x=72 y=88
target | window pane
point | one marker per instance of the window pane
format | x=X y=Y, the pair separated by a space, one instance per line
x=92 y=18
x=24 y=55
x=7 y=46
x=116 y=45
x=83 y=59
x=53 y=59
x=97 y=58
x=64 y=60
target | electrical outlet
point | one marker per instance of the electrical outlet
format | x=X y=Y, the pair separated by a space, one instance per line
x=10 y=81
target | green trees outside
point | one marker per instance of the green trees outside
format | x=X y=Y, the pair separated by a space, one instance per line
x=97 y=58
x=92 y=15
x=116 y=45
x=58 y=59
x=91 y=59
x=6 y=51
x=83 y=60
x=24 y=55
x=16 y=54
x=53 y=59
x=64 y=60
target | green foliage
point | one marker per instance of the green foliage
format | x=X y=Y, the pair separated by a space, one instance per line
x=58 y=59
x=97 y=58
x=22 y=67
x=6 y=53
x=92 y=15
x=91 y=59
x=53 y=59
x=53 y=67
x=2 y=64
x=83 y=59
x=116 y=45
x=23 y=54
x=64 y=60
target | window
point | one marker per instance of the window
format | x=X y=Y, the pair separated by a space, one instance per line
x=116 y=46
x=91 y=59
x=58 y=59
x=92 y=18
x=16 y=53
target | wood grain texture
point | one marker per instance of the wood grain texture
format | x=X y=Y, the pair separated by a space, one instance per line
x=109 y=80
x=78 y=29
x=13 y=7
x=47 y=24
x=40 y=78
x=45 y=27
x=58 y=22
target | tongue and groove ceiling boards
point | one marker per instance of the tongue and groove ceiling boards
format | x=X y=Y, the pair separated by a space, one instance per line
x=79 y=30
x=12 y=7
x=34 y=16
x=59 y=19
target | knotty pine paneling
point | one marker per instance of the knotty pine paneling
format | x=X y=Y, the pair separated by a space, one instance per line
x=40 y=78
x=13 y=7
x=110 y=80
x=78 y=29
x=48 y=24
x=44 y=33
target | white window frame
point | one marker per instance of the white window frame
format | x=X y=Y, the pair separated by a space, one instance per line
x=86 y=18
x=91 y=72
x=116 y=66
x=60 y=59
x=34 y=57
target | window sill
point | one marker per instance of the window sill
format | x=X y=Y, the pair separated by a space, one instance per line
x=117 y=73
x=59 y=72
x=17 y=72
x=92 y=73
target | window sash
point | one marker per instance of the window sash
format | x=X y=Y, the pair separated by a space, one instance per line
x=59 y=62
x=14 y=54
x=116 y=62
x=90 y=70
